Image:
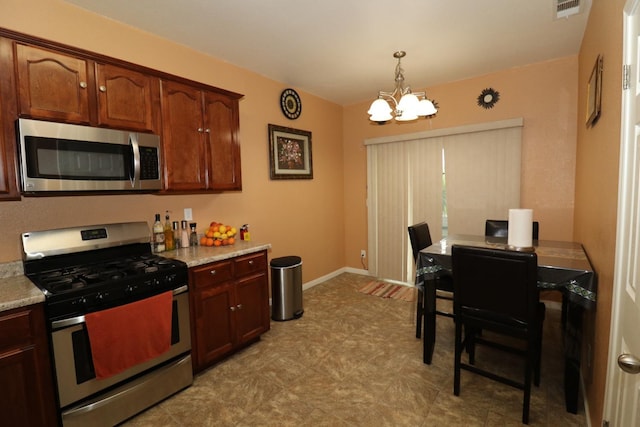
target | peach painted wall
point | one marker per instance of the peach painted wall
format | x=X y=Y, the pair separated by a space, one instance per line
x=544 y=94
x=303 y=217
x=597 y=184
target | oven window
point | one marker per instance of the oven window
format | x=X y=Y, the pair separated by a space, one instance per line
x=82 y=356
x=175 y=325
x=70 y=159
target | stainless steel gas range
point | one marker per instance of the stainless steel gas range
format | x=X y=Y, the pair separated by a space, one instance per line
x=118 y=317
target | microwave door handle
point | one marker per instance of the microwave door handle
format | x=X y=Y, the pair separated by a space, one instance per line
x=133 y=142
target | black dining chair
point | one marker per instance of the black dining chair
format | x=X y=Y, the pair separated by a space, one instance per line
x=420 y=238
x=500 y=228
x=496 y=290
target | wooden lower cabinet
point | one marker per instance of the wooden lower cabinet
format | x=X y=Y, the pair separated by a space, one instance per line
x=25 y=371
x=229 y=306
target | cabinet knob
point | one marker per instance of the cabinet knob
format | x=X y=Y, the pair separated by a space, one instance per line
x=199 y=129
x=213 y=272
x=83 y=85
x=239 y=306
x=102 y=88
x=207 y=130
x=232 y=308
x=251 y=262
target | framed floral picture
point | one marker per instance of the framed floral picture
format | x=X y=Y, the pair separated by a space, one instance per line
x=290 y=153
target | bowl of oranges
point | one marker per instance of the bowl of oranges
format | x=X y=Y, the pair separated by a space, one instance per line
x=218 y=234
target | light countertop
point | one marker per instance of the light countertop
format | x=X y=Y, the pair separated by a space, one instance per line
x=16 y=290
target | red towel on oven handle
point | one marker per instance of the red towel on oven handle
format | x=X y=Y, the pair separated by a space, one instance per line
x=125 y=336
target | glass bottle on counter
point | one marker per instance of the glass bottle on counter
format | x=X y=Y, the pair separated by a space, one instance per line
x=184 y=235
x=176 y=234
x=158 y=235
x=169 y=243
x=193 y=237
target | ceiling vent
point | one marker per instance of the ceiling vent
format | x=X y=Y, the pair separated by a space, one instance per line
x=566 y=8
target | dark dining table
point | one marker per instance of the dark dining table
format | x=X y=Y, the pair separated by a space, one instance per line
x=562 y=266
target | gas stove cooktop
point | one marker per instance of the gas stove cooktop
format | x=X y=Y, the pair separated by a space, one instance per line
x=74 y=278
x=85 y=269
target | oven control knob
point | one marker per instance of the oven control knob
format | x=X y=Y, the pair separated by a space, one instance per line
x=129 y=289
x=99 y=297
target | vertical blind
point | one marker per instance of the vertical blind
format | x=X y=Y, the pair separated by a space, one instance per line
x=477 y=168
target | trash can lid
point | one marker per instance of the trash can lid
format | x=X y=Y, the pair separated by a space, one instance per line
x=286 y=261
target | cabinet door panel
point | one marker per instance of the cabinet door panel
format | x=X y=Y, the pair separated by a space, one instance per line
x=182 y=142
x=222 y=123
x=214 y=326
x=25 y=371
x=253 y=313
x=126 y=98
x=51 y=85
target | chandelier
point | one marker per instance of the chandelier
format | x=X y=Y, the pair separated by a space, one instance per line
x=407 y=105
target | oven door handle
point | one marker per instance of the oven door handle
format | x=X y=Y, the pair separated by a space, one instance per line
x=59 y=324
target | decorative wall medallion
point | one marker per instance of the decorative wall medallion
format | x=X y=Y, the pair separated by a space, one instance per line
x=290 y=104
x=488 y=98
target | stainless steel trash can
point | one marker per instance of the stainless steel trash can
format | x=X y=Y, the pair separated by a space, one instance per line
x=286 y=288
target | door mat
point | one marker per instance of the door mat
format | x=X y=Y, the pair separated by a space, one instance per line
x=389 y=290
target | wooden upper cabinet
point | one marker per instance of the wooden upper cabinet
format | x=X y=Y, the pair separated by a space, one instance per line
x=52 y=85
x=66 y=88
x=199 y=124
x=222 y=122
x=200 y=139
x=9 y=189
x=127 y=99
x=183 y=148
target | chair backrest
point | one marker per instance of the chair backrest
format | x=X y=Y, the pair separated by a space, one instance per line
x=500 y=228
x=495 y=284
x=420 y=238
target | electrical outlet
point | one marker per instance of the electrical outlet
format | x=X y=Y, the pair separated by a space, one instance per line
x=188 y=214
x=363 y=253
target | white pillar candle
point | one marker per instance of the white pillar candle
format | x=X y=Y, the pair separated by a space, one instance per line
x=520 y=228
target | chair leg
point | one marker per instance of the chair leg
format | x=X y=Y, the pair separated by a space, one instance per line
x=419 y=313
x=457 y=361
x=538 y=361
x=527 y=389
x=470 y=344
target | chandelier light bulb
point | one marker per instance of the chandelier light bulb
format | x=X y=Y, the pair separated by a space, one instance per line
x=380 y=111
x=426 y=108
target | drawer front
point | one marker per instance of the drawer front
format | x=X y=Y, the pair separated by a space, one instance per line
x=214 y=273
x=251 y=264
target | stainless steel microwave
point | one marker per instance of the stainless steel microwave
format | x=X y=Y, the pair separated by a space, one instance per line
x=60 y=157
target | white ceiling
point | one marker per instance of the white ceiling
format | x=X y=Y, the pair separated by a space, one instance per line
x=342 y=50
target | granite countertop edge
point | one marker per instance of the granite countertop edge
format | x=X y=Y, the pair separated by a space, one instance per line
x=16 y=290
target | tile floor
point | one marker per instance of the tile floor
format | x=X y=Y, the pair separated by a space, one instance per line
x=353 y=360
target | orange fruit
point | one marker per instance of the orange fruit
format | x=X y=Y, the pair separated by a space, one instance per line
x=225 y=242
x=209 y=241
x=209 y=232
x=203 y=241
x=217 y=242
x=231 y=240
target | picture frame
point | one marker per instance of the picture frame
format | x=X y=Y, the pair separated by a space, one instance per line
x=290 y=153
x=594 y=93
